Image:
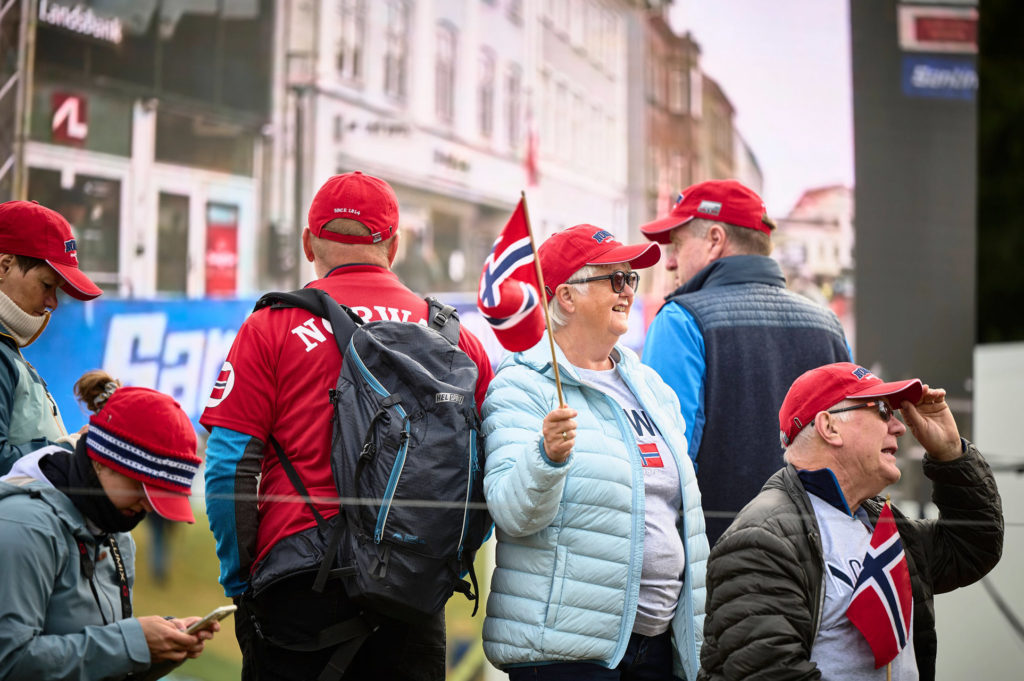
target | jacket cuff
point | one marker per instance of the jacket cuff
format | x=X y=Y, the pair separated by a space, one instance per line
x=544 y=455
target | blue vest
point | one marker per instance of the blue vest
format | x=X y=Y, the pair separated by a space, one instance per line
x=758 y=338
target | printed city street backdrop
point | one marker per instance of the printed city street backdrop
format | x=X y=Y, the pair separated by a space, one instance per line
x=179 y=346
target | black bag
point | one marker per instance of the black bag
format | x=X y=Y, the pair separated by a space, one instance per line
x=406 y=455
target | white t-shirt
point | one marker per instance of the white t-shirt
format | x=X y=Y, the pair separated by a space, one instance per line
x=840 y=650
x=664 y=555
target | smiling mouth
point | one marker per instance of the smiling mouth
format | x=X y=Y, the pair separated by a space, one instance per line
x=620 y=308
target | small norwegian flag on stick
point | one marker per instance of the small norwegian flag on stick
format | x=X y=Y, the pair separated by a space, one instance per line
x=882 y=601
x=510 y=284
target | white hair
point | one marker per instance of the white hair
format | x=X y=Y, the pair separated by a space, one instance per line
x=558 y=316
x=807 y=433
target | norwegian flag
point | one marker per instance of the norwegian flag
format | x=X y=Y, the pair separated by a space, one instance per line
x=650 y=457
x=882 y=601
x=508 y=296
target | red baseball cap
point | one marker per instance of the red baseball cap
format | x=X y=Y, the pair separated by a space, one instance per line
x=565 y=252
x=35 y=231
x=359 y=197
x=725 y=201
x=818 y=389
x=144 y=434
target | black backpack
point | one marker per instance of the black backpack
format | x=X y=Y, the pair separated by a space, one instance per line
x=407 y=459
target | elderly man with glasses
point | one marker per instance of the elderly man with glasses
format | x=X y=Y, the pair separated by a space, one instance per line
x=791 y=579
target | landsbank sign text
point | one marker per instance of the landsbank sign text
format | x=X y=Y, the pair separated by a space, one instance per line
x=81 y=19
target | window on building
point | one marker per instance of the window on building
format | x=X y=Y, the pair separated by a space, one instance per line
x=396 y=52
x=485 y=91
x=578 y=129
x=696 y=93
x=561 y=117
x=677 y=90
x=515 y=11
x=92 y=205
x=173 y=263
x=352 y=26
x=444 y=72
x=514 y=104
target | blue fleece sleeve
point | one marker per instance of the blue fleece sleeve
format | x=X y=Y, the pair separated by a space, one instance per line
x=228 y=496
x=674 y=347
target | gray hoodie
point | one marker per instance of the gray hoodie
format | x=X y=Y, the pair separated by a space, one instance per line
x=51 y=626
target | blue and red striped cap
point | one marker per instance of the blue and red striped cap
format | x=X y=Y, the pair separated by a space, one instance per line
x=145 y=435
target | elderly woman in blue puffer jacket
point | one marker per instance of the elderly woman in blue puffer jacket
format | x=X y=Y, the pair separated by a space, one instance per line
x=601 y=547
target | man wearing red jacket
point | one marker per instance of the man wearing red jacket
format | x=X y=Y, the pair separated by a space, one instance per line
x=275 y=383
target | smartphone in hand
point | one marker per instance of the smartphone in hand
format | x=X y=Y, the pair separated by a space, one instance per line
x=215 y=615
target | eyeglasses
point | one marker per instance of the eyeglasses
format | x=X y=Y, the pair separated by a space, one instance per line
x=884 y=410
x=618 y=278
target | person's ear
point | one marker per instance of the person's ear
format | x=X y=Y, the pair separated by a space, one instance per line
x=716 y=241
x=825 y=425
x=6 y=263
x=393 y=249
x=566 y=297
x=307 y=244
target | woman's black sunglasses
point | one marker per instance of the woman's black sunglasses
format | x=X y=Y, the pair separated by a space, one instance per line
x=618 y=278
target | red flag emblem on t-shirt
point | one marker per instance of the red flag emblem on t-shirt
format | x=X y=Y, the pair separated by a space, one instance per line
x=650 y=456
x=882 y=599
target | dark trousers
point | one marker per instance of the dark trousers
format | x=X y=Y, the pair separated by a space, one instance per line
x=647 y=658
x=291 y=612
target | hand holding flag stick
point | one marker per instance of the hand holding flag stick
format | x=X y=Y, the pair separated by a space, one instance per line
x=511 y=291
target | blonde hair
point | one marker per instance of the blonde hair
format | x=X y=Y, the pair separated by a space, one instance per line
x=94 y=388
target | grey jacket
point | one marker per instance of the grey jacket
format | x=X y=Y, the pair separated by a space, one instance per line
x=29 y=418
x=51 y=626
x=765 y=575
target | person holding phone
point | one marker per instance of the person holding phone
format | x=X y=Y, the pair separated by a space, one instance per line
x=69 y=562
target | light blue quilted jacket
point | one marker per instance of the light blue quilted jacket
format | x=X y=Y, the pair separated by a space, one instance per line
x=571 y=536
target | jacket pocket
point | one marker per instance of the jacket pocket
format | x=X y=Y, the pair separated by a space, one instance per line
x=557 y=584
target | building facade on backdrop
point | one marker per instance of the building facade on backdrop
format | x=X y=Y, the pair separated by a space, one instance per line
x=144 y=128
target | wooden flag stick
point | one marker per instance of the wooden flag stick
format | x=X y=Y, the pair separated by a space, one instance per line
x=543 y=301
x=888 y=672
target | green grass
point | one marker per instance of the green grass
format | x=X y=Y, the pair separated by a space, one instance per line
x=191 y=588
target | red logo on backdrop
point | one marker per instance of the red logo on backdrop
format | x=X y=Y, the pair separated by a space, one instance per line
x=221 y=250
x=70 y=120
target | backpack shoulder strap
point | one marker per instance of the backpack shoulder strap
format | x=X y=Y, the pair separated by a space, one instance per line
x=443 y=319
x=317 y=301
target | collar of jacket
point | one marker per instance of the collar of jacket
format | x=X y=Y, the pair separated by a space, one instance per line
x=822 y=483
x=538 y=358
x=734 y=269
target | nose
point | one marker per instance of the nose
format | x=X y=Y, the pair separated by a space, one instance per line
x=897 y=427
x=51 y=300
x=670 y=259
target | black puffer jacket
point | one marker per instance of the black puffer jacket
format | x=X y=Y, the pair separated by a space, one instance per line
x=765 y=575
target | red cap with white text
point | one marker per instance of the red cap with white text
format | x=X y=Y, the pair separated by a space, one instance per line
x=725 y=201
x=354 y=196
x=822 y=388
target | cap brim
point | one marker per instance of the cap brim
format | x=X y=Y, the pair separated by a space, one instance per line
x=638 y=256
x=897 y=392
x=76 y=284
x=170 y=505
x=661 y=230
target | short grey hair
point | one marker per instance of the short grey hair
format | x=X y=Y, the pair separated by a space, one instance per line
x=743 y=239
x=807 y=433
x=558 y=316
